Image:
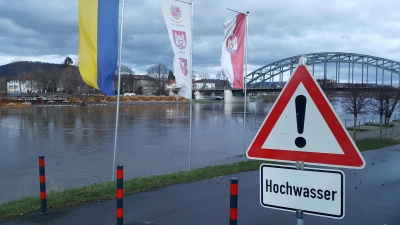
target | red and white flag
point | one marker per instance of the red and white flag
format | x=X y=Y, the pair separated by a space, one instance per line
x=177 y=16
x=232 y=58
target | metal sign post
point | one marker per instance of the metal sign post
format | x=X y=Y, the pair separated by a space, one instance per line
x=299 y=212
x=299 y=216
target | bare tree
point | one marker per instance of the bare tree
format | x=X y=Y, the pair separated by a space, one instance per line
x=125 y=70
x=127 y=78
x=159 y=73
x=23 y=80
x=47 y=81
x=82 y=88
x=204 y=77
x=42 y=80
x=3 y=84
x=327 y=86
x=54 y=76
x=392 y=104
x=127 y=83
x=32 y=86
x=384 y=103
x=221 y=75
x=355 y=101
x=69 y=79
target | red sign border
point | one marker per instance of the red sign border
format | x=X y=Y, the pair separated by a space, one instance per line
x=350 y=158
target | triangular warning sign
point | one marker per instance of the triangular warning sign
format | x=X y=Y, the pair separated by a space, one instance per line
x=302 y=126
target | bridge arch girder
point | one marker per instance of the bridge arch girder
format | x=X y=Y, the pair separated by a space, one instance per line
x=273 y=69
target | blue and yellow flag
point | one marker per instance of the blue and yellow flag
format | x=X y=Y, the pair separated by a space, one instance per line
x=98 y=43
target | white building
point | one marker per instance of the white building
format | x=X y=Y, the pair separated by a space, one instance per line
x=15 y=86
x=172 y=88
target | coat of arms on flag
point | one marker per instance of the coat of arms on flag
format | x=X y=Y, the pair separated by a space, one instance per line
x=231 y=44
x=176 y=12
x=183 y=65
x=179 y=39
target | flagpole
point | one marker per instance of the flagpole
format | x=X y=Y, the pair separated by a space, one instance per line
x=191 y=87
x=245 y=90
x=119 y=87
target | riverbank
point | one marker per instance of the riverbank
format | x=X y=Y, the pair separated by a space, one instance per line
x=61 y=100
x=56 y=100
x=7 y=103
x=105 y=191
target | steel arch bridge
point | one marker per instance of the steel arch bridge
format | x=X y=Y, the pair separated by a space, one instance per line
x=369 y=69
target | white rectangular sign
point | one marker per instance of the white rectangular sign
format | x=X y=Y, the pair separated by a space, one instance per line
x=315 y=191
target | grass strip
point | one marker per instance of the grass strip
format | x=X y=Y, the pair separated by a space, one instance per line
x=375 y=143
x=106 y=191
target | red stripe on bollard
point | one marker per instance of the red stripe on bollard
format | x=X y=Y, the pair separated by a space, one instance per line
x=42 y=195
x=42 y=179
x=120 y=213
x=120 y=193
x=234 y=189
x=120 y=173
x=233 y=214
x=41 y=162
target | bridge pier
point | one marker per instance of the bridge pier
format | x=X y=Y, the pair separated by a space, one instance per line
x=198 y=95
x=229 y=97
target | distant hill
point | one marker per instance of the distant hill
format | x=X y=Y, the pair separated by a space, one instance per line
x=12 y=69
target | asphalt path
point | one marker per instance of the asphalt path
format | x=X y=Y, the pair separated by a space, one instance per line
x=372 y=196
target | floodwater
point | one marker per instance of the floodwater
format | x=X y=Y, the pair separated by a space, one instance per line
x=78 y=142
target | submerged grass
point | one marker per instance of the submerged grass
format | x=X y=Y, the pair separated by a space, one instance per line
x=106 y=191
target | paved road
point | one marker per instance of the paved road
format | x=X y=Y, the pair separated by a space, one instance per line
x=372 y=197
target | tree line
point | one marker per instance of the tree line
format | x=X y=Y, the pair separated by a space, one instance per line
x=66 y=78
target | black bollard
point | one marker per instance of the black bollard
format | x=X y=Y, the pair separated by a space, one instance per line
x=233 y=213
x=120 y=195
x=42 y=179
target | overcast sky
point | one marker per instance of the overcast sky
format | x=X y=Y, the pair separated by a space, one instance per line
x=44 y=30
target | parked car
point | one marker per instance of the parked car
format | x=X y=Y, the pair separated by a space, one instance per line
x=216 y=98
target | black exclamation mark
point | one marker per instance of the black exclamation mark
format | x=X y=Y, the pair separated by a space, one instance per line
x=300 y=115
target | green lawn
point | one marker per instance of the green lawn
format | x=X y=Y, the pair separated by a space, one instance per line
x=372 y=143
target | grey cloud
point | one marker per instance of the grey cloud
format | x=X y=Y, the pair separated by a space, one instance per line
x=277 y=29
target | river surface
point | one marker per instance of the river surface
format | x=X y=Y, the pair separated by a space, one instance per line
x=78 y=142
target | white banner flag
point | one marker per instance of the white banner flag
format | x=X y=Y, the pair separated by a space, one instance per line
x=232 y=57
x=177 y=17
